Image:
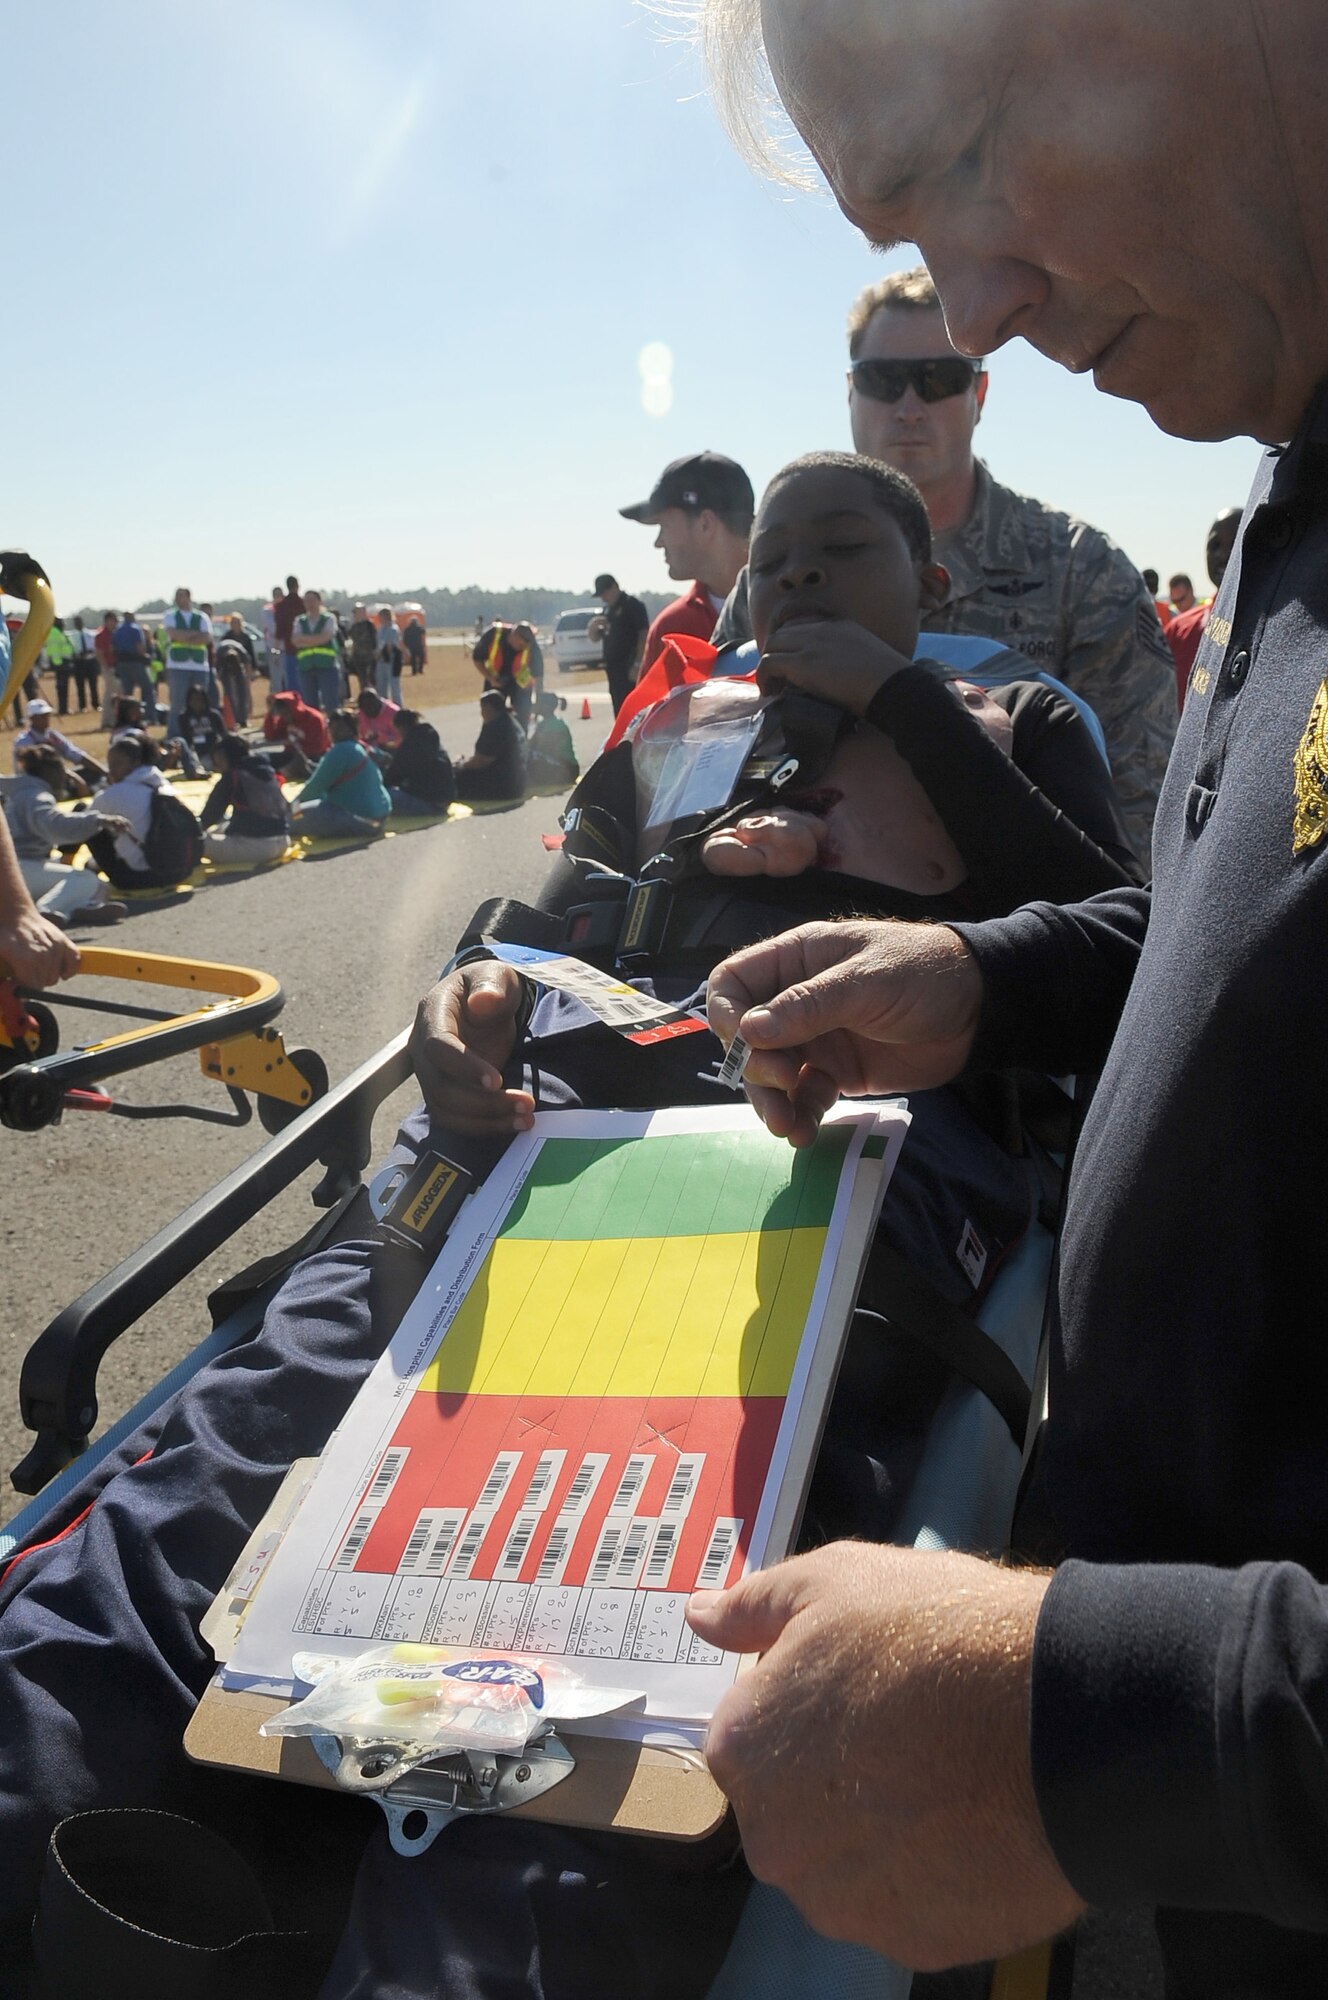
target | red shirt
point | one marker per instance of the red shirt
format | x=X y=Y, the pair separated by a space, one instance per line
x=691 y=617
x=288 y=715
x=285 y=610
x=101 y=639
x=1183 y=635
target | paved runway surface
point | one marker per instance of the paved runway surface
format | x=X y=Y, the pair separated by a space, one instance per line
x=355 y=939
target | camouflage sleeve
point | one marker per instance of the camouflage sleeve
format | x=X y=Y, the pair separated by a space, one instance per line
x=734 y=626
x=1117 y=659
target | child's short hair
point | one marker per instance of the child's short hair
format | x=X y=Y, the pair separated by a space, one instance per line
x=894 y=494
x=345 y=721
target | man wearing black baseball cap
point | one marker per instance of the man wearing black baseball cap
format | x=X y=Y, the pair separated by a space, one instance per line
x=703 y=508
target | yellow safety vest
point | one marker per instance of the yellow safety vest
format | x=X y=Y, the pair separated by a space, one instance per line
x=493 y=663
x=180 y=653
x=320 y=652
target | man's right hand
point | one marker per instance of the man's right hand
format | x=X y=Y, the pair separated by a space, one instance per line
x=35 y=952
x=465 y=1031
x=853 y=1009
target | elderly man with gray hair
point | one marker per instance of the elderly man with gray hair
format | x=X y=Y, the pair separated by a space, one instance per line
x=937 y=1756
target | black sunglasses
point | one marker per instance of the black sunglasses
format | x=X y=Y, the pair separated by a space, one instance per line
x=886 y=381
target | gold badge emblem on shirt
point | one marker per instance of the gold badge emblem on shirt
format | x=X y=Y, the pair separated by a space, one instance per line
x=1312 y=777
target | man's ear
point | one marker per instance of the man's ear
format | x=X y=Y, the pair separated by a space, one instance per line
x=980 y=391
x=933 y=587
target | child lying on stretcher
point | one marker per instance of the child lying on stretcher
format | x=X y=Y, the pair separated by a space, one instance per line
x=942 y=800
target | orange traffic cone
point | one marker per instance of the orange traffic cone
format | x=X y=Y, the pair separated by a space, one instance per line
x=585 y=708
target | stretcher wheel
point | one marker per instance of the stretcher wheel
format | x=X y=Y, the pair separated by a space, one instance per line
x=47 y=1030
x=274 y=1114
x=30 y=1100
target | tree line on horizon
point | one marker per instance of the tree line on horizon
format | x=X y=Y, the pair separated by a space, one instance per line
x=537 y=604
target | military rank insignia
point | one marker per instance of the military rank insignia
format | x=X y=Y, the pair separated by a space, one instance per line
x=1312 y=777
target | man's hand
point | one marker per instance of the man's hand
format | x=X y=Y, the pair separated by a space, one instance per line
x=464 y=1032
x=34 y=952
x=851 y=1009
x=834 y=658
x=877 y=1756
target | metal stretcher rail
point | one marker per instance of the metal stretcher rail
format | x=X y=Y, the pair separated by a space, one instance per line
x=58 y=1383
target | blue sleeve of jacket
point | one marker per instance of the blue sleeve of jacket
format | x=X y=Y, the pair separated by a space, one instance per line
x=1179 y=1717
x=1056 y=978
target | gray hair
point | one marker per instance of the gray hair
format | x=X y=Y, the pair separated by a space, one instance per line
x=728 y=33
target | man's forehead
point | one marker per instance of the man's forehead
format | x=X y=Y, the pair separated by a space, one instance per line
x=873 y=85
x=905 y=333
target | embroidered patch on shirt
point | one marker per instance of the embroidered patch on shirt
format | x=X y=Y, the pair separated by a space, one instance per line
x=1312 y=777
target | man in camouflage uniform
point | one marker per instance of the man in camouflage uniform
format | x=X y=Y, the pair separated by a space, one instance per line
x=1021 y=573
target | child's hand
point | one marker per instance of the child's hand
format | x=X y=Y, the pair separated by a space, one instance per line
x=772 y=843
x=464 y=1033
x=831 y=657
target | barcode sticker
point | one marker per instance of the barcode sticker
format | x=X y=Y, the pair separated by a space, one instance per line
x=554 y=1559
x=606 y=1554
x=632 y=1554
x=389 y=1465
x=734 y=1066
x=355 y=1540
x=514 y=1549
x=454 y=1519
x=719 y=1556
x=686 y=1478
x=588 y=1475
x=542 y=1481
x=464 y=1560
x=498 y=1481
x=660 y=1560
x=635 y=1473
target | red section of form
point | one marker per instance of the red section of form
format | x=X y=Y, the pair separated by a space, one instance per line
x=454 y=1442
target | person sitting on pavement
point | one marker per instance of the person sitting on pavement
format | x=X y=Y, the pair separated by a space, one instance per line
x=134 y=780
x=419 y=775
x=496 y=768
x=299 y=730
x=378 y=721
x=258 y=826
x=344 y=796
x=200 y=730
x=41 y=734
x=40 y=830
x=550 y=754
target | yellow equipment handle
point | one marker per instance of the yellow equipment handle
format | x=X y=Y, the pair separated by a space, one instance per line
x=20 y=577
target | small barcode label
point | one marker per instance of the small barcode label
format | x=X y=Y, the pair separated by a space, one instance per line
x=542 y=1479
x=498 y=1481
x=686 y=1478
x=587 y=1479
x=633 y=1552
x=518 y=1541
x=386 y=1476
x=355 y=1541
x=464 y=1558
x=633 y=1479
x=444 y=1542
x=660 y=1560
x=606 y=1554
x=431 y=1539
x=555 y=1552
x=723 y=1542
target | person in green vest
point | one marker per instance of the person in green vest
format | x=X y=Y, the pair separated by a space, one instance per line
x=314 y=640
x=59 y=650
x=187 y=634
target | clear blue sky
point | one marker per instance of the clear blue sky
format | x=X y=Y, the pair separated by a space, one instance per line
x=361 y=291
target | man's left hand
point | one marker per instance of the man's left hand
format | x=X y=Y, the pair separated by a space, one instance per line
x=877 y=1755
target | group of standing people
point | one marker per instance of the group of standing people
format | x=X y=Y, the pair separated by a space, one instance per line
x=316 y=652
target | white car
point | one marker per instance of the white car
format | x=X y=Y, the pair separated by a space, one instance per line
x=569 y=644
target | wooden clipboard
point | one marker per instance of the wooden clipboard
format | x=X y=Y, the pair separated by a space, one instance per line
x=617 y=1786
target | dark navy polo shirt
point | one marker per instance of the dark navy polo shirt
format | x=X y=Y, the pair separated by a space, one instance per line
x=1180 y=1697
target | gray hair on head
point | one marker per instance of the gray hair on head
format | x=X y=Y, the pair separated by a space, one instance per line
x=733 y=47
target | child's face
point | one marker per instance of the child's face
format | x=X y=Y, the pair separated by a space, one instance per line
x=823 y=548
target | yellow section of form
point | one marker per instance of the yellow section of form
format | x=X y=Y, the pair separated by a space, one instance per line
x=654 y=1316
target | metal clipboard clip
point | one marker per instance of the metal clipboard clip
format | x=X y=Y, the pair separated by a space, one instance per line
x=422 y=1788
